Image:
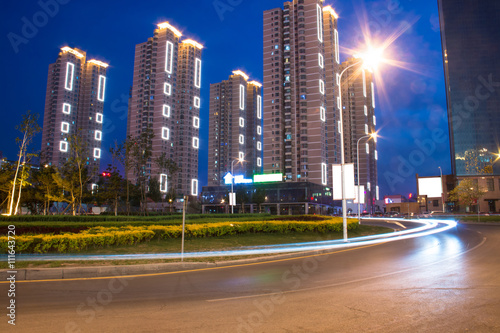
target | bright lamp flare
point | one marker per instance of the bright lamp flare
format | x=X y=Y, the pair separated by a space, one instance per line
x=371 y=58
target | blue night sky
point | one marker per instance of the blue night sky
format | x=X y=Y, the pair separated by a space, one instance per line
x=410 y=111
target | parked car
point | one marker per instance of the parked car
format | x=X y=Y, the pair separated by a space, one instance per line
x=425 y=215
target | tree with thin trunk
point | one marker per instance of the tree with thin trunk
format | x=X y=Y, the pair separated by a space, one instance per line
x=123 y=154
x=141 y=152
x=168 y=166
x=467 y=193
x=29 y=127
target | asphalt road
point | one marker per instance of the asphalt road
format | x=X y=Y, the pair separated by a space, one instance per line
x=448 y=282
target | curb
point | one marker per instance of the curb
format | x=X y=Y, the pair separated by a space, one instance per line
x=35 y=274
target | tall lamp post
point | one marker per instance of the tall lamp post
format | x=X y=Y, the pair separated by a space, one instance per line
x=442 y=188
x=370 y=136
x=369 y=60
x=232 y=183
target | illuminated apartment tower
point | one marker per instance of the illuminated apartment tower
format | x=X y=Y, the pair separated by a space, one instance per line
x=235 y=128
x=358 y=99
x=166 y=98
x=74 y=106
x=301 y=61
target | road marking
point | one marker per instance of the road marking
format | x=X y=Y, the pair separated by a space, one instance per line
x=347 y=282
x=194 y=270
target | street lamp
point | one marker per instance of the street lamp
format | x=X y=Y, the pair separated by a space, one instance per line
x=232 y=182
x=442 y=188
x=369 y=60
x=370 y=136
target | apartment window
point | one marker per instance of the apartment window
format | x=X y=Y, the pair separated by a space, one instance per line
x=322 y=87
x=98 y=118
x=65 y=127
x=66 y=108
x=259 y=107
x=196 y=143
x=241 y=139
x=196 y=122
x=324 y=173
x=321 y=60
x=97 y=153
x=63 y=146
x=242 y=122
x=70 y=73
x=197 y=102
x=322 y=114
x=364 y=82
x=98 y=135
x=165 y=133
x=259 y=162
x=373 y=95
x=337 y=52
x=366 y=110
x=367 y=148
x=163 y=183
x=319 y=22
x=490 y=184
x=259 y=130
x=194 y=187
x=242 y=97
x=197 y=73
x=241 y=155
x=259 y=146
x=101 y=88
x=167 y=89
x=169 y=57
x=166 y=111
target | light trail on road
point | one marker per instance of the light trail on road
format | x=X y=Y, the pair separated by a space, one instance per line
x=428 y=227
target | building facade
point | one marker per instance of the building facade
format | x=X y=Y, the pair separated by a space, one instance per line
x=235 y=128
x=301 y=61
x=359 y=121
x=165 y=98
x=470 y=32
x=74 y=107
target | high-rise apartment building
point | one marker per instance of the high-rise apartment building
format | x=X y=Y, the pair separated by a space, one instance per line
x=235 y=129
x=166 y=98
x=301 y=62
x=470 y=34
x=358 y=101
x=74 y=106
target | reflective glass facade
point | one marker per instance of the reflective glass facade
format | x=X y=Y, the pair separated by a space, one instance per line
x=470 y=32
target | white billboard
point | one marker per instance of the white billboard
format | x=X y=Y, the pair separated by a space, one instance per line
x=350 y=191
x=432 y=187
x=361 y=193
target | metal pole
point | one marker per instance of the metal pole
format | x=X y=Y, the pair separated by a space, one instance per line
x=232 y=182
x=342 y=157
x=442 y=189
x=359 y=190
x=183 y=224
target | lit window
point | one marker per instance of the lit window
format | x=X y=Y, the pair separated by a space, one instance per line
x=337 y=53
x=197 y=102
x=374 y=120
x=194 y=187
x=338 y=103
x=196 y=143
x=364 y=82
x=322 y=114
x=241 y=156
x=63 y=146
x=366 y=110
x=322 y=87
x=373 y=96
x=242 y=97
x=259 y=107
x=97 y=153
x=98 y=135
x=321 y=60
x=163 y=183
x=197 y=73
x=367 y=148
x=98 y=117
x=242 y=122
x=338 y=79
x=167 y=89
x=66 y=108
x=242 y=139
x=101 y=88
x=166 y=111
x=165 y=133
x=94 y=188
x=376 y=155
x=70 y=73
x=65 y=127
x=259 y=130
x=169 y=57
x=259 y=162
x=368 y=186
x=366 y=128
x=259 y=146
x=324 y=173
x=196 y=122
x=319 y=22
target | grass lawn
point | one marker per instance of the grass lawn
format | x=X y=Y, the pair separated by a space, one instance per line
x=199 y=245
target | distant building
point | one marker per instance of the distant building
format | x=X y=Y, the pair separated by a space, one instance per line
x=74 y=105
x=358 y=105
x=470 y=34
x=166 y=97
x=235 y=128
x=301 y=62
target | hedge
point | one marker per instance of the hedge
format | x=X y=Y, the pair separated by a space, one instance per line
x=98 y=237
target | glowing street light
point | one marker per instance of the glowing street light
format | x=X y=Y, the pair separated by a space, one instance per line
x=369 y=136
x=369 y=60
x=232 y=181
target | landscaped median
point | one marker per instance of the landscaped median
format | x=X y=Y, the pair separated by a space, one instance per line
x=106 y=236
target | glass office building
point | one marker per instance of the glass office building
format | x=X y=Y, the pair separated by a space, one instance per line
x=470 y=32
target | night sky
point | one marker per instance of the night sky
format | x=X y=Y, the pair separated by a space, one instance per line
x=410 y=104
